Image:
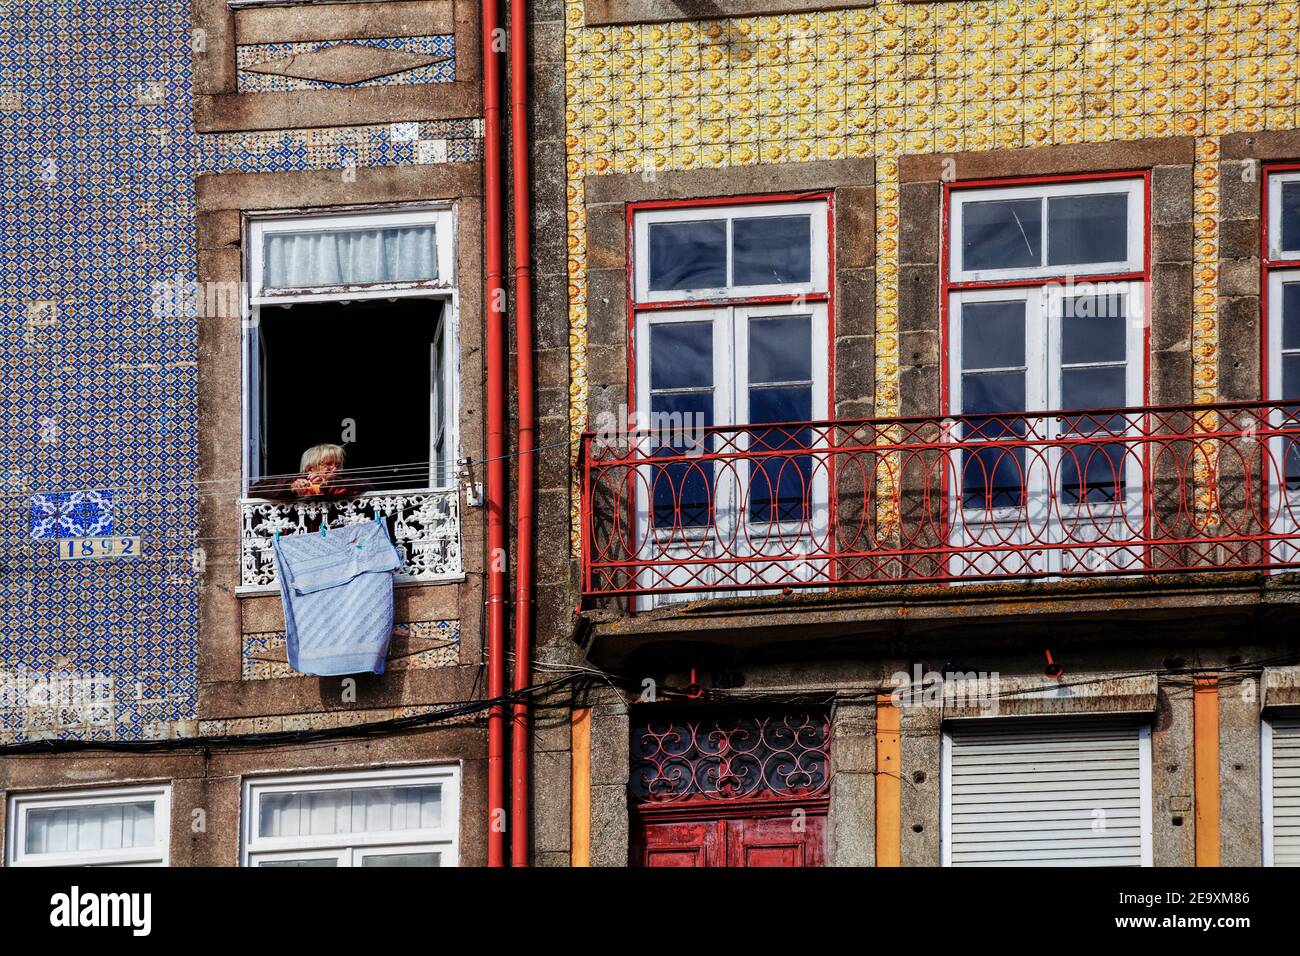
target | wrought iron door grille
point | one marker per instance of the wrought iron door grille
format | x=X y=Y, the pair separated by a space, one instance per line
x=684 y=757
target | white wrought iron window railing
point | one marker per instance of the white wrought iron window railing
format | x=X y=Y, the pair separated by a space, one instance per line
x=424 y=527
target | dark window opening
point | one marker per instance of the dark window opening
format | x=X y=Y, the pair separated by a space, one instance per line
x=366 y=375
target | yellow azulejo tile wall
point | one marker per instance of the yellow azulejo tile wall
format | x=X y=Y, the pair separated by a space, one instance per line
x=912 y=77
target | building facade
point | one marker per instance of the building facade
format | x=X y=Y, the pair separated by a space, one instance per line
x=262 y=224
x=916 y=447
x=955 y=512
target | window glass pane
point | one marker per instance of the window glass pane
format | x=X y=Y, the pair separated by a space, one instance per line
x=1291 y=315
x=1002 y=234
x=780 y=350
x=358 y=810
x=681 y=355
x=1093 y=329
x=330 y=861
x=681 y=491
x=771 y=249
x=788 y=404
x=688 y=255
x=112 y=826
x=1092 y=472
x=993 y=334
x=993 y=476
x=1082 y=229
x=1291 y=377
x=992 y=392
x=1093 y=387
x=401 y=859
x=296 y=260
x=1290 y=224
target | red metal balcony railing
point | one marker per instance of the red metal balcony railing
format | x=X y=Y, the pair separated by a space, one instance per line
x=977 y=497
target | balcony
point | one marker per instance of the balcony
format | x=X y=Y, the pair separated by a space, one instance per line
x=815 y=506
x=424 y=527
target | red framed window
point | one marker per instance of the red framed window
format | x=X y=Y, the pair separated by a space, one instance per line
x=1045 y=298
x=730 y=331
x=1280 y=296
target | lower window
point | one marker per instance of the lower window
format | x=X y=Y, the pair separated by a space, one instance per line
x=1061 y=791
x=1281 y=778
x=124 y=826
x=403 y=817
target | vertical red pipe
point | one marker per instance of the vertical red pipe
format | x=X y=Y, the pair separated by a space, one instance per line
x=524 y=491
x=494 y=311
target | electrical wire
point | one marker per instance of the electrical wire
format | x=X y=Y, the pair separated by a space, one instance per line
x=287 y=737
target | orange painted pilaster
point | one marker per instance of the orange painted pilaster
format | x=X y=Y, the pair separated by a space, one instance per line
x=1205 y=738
x=580 y=788
x=889 y=814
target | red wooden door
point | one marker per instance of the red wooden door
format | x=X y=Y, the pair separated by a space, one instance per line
x=775 y=842
x=738 y=841
x=683 y=844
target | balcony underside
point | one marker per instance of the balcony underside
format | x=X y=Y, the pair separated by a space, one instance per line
x=907 y=620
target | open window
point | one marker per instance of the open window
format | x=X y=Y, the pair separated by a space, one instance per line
x=351 y=342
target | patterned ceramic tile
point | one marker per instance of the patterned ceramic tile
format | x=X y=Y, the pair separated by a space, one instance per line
x=443 y=47
x=99 y=384
x=921 y=77
x=260 y=650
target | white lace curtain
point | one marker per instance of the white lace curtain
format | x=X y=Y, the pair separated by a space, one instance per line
x=360 y=810
x=113 y=826
x=299 y=260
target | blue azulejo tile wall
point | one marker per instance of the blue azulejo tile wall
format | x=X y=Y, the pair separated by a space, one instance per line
x=98 y=426
x=98 y=371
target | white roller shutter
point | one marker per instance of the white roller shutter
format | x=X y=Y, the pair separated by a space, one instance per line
x=1282 y=792
x=1050 y=792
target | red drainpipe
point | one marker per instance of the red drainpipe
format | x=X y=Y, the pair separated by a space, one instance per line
x=495 y=320
x=524 y=494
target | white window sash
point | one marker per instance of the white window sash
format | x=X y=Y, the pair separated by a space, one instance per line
x=818 y=284
x=1043 y=365
x=1136 y=242
x=442 y=219
x=1275 y=182
x=1283 y=504
x=731 y=409
x=1277 y=279
x=443 y=838
x=21 y=805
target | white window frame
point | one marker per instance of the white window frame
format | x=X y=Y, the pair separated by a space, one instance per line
x=819 y=266
x=21 y=804
x=731 y=365
x=1275 y=181
x=441 y=289
x=730 y=309
x=1145 y=799
x=1287 y=715
x=1133 y=188
x=1283 y=503
x=1043 y=366
x=350 y=848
